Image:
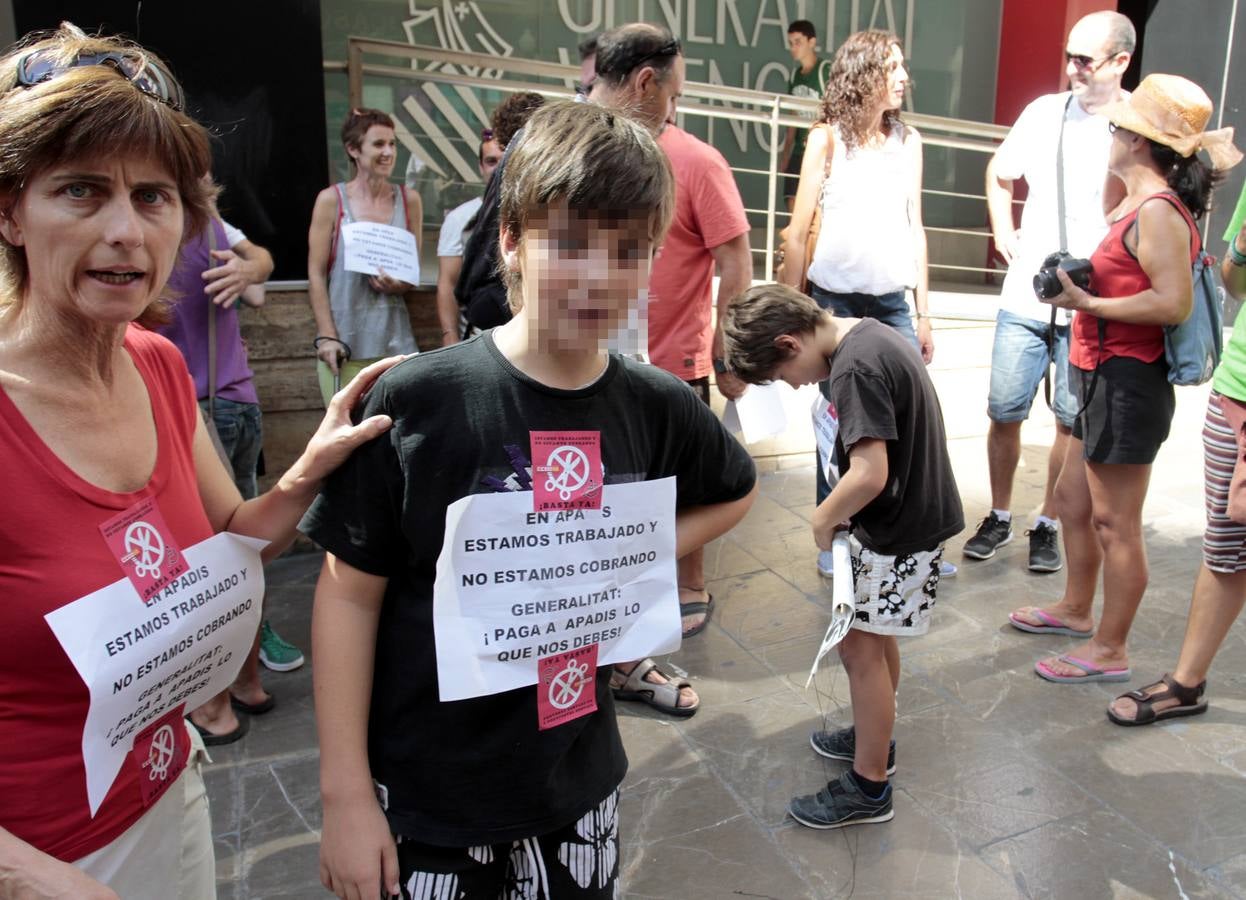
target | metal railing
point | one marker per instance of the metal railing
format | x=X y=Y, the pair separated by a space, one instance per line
x=467 y=72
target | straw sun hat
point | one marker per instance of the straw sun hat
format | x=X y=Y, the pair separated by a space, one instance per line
x=1173 y=111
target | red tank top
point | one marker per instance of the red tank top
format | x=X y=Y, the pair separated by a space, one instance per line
x=54 y=554
x=1118 y=274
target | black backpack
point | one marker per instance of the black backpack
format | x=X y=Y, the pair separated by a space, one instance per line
x=480 y=290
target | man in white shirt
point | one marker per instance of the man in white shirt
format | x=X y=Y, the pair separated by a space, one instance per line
x=1097 y=54
x=450 y=245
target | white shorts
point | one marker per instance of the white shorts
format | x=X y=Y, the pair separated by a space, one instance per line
x=894 y=594
x=167 y=853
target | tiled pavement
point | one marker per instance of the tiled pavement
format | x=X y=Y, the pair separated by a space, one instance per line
x=1007 y=786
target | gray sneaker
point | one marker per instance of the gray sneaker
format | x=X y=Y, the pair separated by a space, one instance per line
x=841 y=803
x=842 y=744
x=1044 y=548
x=991 y=535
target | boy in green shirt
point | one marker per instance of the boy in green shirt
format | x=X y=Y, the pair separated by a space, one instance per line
x=808 y=79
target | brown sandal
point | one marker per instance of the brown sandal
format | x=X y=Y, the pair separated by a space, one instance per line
x=1190 y=702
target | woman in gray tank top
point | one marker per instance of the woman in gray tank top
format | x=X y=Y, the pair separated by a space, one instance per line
x=359 y=318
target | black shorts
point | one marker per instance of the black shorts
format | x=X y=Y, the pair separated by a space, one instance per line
x=1129 y=410
x=579 y=861
x=701 y=387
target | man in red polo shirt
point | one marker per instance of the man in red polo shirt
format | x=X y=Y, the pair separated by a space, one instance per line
x=710 y=230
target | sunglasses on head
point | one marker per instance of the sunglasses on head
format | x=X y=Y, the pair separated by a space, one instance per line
x=147 y=75
x=486 y=134
x=670 y=48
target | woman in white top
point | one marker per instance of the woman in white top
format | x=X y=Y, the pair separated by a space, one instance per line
x=864 y=167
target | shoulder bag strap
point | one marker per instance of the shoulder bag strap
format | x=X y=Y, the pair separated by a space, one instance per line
x=211 y=330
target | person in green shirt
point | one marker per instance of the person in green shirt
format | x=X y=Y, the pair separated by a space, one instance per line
x=1220 y=587
x=809 y=78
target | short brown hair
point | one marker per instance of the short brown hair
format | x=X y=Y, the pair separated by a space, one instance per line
x=755 y=319
x=91 y=112
x=512 y=114
x=591 y=158
x=356 y=126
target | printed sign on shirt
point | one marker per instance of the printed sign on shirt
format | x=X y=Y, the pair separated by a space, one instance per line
x=144 y=546
x=515 y=586
x=139 y=663
x=567 y=687
x=825 y=430
x=566 y=470
x=369 y=247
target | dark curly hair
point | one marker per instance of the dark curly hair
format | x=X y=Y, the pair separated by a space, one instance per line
x=512 y=114
x=857 y=84
x=1190 y=178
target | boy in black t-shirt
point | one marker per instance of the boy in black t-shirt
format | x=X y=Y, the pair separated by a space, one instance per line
x=463 y=797
x=897 y=492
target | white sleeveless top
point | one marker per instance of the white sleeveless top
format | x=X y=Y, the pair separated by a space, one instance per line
x=866 y=241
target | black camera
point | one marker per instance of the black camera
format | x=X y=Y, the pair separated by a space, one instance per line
x=1047 y=285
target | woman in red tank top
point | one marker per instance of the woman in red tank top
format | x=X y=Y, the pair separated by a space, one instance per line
x=1141 y=283
x=101 y=438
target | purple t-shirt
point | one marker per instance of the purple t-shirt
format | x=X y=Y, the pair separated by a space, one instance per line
x=189 y=328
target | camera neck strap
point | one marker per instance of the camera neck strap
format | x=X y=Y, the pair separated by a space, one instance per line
x=1064 y=246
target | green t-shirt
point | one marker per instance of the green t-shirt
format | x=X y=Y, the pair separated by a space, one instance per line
x=1239 y=216
x=811 y=84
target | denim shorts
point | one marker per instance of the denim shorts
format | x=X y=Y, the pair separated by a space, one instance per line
x=242 y=435
x=890 y=309
x=1018 y=360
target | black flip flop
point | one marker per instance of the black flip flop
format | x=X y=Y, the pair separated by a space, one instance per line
x=219 y=740
x=253 y=709
x=692 y=609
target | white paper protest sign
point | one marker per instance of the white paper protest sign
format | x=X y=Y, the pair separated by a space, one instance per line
x=825 y=430
x=514 y=585
x=141 y=660
x=843 y=608
x=761 y=413
x=369 y=247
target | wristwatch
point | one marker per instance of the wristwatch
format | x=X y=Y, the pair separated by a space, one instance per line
x=720 y=367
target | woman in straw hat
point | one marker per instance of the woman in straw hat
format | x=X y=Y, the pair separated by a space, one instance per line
x=1220 y=587
x=1141 y=282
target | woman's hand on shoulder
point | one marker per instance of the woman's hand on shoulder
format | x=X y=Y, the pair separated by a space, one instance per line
x=358 y=857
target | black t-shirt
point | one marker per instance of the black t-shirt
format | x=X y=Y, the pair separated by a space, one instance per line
x=479 y=771
x=881 y=390
x=480 y=290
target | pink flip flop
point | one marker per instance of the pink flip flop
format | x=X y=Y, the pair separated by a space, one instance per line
x=1051 y=625
x=1090 y=672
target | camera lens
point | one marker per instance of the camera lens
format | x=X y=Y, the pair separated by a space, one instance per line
x=1046 y=284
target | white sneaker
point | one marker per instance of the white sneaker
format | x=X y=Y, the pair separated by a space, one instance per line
x=947 y=569
x=826 y=564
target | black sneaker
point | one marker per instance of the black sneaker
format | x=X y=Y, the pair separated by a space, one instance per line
x=842 y=744
x=991 y=535
x=841 y=803
x=1044 y=548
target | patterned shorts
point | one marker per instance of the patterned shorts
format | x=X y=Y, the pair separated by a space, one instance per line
x=579 y=861
x=1224 y=465
x=895 y=594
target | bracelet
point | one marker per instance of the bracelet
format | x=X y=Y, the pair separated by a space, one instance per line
x=1236 y=256
x=321 y=338
x=924 y=315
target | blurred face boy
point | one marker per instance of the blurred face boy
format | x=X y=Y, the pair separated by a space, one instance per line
x=582 y=271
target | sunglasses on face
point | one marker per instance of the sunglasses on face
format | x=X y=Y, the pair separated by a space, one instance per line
x=1083 y=62
x=148 y=76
